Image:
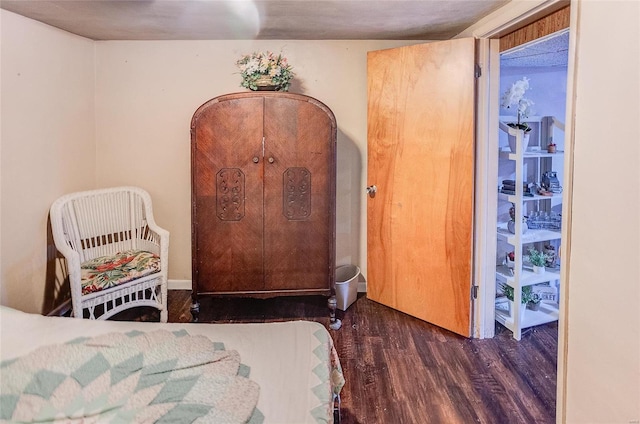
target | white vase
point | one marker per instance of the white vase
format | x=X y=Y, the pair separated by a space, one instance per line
x=510 y=264
x=539 y=269
x=512 y=142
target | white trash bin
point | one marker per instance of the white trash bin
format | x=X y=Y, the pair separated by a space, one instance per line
x=346 y=285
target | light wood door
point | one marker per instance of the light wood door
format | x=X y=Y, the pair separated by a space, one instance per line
x=421 y=160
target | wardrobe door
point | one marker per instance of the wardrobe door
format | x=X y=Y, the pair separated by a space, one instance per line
x=227 y=194
x=299 y=194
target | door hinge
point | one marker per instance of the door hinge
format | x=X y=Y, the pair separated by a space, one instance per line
x=474 y=292
x=477 y=71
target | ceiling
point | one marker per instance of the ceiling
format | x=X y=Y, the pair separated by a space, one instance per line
x=262 y=19
x=546 y=52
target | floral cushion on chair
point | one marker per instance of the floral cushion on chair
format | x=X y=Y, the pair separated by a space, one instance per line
x=109 y=271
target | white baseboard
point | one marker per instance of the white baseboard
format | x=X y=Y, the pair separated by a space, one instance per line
x=179 y=284
x=186 y=285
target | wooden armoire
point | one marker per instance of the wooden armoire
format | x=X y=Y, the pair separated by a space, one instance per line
x=263 y=167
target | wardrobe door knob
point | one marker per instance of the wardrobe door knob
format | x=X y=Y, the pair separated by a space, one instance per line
x=256 y=159
x=271 y=160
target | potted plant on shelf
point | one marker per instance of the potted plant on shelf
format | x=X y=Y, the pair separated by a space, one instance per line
x=538 y=259
x=510 y=259
x=265 y=71
x=534 y=301
x=550 y=251
x=514 y=97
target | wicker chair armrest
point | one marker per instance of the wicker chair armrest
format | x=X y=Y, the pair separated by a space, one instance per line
x=159 y=244
x=159 y=233
x=73 y=265
x=72 y=256
x=164 y=249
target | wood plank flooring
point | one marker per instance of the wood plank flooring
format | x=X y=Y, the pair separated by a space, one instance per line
x=401 y=370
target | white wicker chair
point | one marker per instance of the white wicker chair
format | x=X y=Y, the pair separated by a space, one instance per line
x=91 y=225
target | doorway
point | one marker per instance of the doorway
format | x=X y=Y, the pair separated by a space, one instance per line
x=516 y=40
x=533 y=86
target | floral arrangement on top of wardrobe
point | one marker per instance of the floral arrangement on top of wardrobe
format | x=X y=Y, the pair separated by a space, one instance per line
x=265 y=71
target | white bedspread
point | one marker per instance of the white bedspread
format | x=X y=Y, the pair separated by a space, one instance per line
x=294 y=363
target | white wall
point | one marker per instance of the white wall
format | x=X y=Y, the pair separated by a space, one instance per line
x=47 y=144
x=79 y=114
x=147 y=92
x=603 y=311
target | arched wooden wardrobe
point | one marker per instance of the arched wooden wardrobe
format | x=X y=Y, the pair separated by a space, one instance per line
x=263 y=168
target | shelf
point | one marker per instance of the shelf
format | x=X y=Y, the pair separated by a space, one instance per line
x=527 y=277
x=548 y=313
x=507 y=154
x=512 y=197
x=531 y=162
x=531 y=236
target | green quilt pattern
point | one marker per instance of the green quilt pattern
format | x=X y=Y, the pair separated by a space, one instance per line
x=329 y=373
x=159 y=376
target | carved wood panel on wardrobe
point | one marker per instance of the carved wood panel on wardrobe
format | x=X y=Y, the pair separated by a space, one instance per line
x=263 y=196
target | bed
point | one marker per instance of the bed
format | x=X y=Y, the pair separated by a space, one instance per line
x=289 y=370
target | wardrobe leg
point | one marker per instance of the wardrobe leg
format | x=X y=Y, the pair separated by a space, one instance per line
x=334 y=323
x=195 y=312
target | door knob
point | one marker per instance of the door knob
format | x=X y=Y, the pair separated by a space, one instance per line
x=371 y=190
x=271 y=160
x=256 y=159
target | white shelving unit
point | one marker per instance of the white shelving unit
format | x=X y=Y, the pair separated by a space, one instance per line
x=531 y=161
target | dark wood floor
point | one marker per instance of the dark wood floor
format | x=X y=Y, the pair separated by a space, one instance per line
x=400 y=370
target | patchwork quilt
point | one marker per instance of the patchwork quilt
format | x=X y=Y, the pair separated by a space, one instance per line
x=160 y=376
